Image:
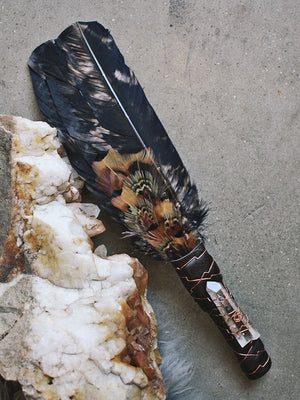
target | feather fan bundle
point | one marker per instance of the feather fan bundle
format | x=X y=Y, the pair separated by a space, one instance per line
x=114 y=139
x=117 y=144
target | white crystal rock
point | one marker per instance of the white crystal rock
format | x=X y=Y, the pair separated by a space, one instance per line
x=65 y=330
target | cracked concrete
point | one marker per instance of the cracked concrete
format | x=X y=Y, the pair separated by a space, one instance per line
x=224 y=79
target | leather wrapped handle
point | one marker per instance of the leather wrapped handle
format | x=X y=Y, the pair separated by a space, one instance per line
x=201 y=276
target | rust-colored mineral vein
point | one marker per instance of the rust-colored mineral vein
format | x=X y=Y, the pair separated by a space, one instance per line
x=140 y=333
x=12 y=260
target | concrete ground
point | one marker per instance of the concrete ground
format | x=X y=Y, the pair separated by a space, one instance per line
x=224 y=79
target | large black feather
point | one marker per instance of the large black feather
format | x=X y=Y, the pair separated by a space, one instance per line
x=85 y=89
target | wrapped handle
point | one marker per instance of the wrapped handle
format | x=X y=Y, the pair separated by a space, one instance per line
x=201 y=276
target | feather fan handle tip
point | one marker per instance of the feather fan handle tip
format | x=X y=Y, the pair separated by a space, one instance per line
x=117 y=144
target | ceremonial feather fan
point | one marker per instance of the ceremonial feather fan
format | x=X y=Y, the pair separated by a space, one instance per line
x=117 y=144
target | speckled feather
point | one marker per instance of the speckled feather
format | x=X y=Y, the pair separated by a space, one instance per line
x=85 y=89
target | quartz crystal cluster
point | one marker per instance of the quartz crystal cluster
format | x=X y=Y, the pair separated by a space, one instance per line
x=73 y=325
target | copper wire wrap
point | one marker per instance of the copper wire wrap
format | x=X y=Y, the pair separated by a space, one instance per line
x=195 y=269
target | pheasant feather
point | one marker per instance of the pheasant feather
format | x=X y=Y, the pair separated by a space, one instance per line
x=117 y=144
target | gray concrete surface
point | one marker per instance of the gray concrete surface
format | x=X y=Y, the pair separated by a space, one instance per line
x=224 y=78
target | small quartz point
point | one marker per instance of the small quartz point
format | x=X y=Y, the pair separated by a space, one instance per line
x=101 y=251
x=237 y=322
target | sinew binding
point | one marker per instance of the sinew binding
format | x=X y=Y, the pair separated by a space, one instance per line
x=117 y=144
